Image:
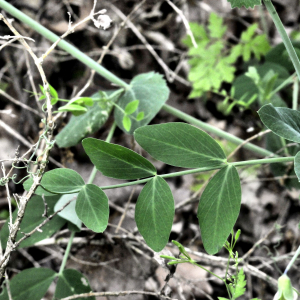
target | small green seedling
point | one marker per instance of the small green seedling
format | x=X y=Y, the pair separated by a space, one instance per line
x=131 y=108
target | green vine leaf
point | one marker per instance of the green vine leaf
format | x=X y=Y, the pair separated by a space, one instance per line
x=88 y=123
x=60 y=181
x=246 y=3
x=219 y=208
x=154 y=213
x=151 y=90
x=181 y=145
x=71 y=282
x=92 y=208
x=30 y=284
x=284 y=122
x=116 y=161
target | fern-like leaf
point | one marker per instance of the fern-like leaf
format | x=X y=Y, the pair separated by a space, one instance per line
x=238 y=288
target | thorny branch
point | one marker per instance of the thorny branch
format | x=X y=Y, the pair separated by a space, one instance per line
x=44 y=147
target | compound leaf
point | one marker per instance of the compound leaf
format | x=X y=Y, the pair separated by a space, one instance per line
x=116 y=161
x=29 y=284
x=92 y=208
x=154 y=213
x=152 y=92
x=219 y=208
x=283 y=121
x=181 y=145
x=72 y=282
x=239 y=288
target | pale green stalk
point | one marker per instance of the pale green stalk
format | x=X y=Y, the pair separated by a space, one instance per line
x=68 y=249
x=295 y=94
x=205 y=169
x=287 y=42
x=111 y=77
x=292 y=261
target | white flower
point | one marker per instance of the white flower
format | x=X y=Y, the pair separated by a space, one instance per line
x=103 y=21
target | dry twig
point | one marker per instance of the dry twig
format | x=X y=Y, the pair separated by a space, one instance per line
x=49 y=125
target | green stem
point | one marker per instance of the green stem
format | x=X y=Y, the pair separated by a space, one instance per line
x=295 y=94
x=287 y=42
x=205 y=169
x=210 y=272
x=62 y=44
x=64 y=261
x=108 y=139
x=282 y=85
x=111 y=77
x=292 y=261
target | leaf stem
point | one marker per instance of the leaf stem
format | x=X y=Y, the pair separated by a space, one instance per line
x=114 y=79
x=295 y=93
x=205 y=169
x=64 y=261
x=292 y=261
x=287 y=42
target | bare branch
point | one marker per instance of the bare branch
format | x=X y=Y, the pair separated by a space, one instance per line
x=115 y=294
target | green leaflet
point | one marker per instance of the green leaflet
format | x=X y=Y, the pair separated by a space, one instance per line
x=72 y=282
x=88 y=123
x=151 y=91
x=297 y=165
x=29 y=284
x=116 y=161
x=246 y=3
x=68 y=213
x=39 y=191
x=219 y=208
x=58 y=181
x=32 y=218
x=154 y=213
x=284 y=122
x=92 y=207
x=181 y=145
